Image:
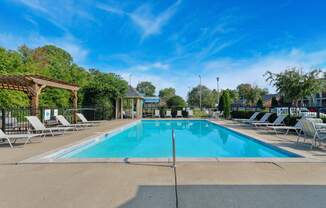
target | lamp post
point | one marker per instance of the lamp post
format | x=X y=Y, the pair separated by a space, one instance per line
x=200 y=92
x=130 y=75
x=189 y=89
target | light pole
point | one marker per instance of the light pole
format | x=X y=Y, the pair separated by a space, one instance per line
x=130 y=75
x=200 y=92
x=217 y=90
x=189 y=89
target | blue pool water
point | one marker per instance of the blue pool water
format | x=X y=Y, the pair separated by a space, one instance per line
x=196 y=139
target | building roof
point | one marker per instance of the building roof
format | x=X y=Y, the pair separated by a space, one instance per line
x=152 y=100
x=269 y=97
x=132 y=93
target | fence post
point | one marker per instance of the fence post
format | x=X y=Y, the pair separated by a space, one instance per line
x=318 y=112
x=3 y=112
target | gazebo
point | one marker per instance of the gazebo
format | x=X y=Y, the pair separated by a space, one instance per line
x=32 y=85
x=134 y=100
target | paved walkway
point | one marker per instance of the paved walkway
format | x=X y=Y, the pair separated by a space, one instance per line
x=200 y=184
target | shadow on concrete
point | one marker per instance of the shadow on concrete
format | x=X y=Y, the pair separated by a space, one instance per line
x=20 y=143
x=230 y=196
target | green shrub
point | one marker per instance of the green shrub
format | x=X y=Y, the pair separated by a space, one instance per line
x=324 y=119
x=200 y=114
x=176 y=101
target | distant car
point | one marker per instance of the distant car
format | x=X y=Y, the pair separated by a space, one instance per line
x=322 y=110
x=312 y=110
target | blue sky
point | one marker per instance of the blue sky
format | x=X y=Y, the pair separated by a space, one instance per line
x=171 y=42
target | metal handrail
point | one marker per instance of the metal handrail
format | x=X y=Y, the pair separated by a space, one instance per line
x=175 y=171
x=173 y=148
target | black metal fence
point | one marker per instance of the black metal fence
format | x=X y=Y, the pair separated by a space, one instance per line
x=149 y=112
x=239 y=107
x=307 y=111
x=14 y=120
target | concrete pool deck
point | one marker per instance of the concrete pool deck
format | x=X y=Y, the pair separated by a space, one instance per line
x=200 y=184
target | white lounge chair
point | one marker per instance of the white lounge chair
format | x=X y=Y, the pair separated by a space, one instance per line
x=63 y=121
x=190 y=113
x=297 y=128
x=8 y=137
x=217 y=114
x=168 y=114
x=310 y=130
x=252 y=118
x=179 y=114
x=84 y=119
x=262 y=120
x=278 y=122
x=38 y=126
x=157 y=114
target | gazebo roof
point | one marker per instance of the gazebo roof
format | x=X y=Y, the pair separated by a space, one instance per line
x=25 y=83
x=133 y=93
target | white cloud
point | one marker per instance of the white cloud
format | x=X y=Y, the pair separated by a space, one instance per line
x=232 y=72
x=149 y=67
x=111 y=9
x=149 y=23
x=144 y=18
x=62 y=14
x=34 y=4
x=67 y=42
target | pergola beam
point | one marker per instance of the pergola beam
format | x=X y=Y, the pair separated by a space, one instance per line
x=51 y=83
x=33 y=85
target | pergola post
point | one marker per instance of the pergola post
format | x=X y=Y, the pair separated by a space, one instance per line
x=138 y=108
x=116 y=108
x=34 y=99
x=75 y=105
x=132 y=108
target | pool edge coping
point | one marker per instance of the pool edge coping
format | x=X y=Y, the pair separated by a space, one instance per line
x=39 y=159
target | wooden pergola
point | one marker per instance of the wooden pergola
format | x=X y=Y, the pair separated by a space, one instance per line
x=136 y=100
x=32 y=85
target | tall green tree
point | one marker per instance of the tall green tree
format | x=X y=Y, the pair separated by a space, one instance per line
x=176 y=101
x=221 y=103
x=250 y=93
x=104 y=87
x=260 y=103
x=293 y=84
x=166 y=93
x=97 y=88
x=147 y=88
x=209 y=98
x=225 y=104
x=234 y=94
x=244 y=90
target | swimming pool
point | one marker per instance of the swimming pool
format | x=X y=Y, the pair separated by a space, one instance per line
x=194 y=139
